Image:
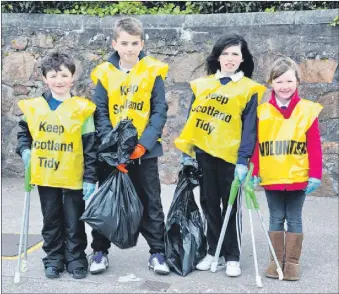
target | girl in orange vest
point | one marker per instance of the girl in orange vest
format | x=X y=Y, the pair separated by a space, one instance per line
x=288 y=162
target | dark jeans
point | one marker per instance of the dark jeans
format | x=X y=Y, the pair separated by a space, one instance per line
x=286 y=205
x=215 y=188
x=145 y=178
x=64 y=234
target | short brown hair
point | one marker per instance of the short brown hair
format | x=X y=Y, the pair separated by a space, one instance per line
x=129 y=25
x=280 y=66
x=54 y=60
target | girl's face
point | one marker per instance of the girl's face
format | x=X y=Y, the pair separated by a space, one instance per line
x=230 y=59
x=285 y=85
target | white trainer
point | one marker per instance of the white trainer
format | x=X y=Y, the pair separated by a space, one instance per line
x=206 y=262
x=233 y=268
x=98 y=262
x=157 y=262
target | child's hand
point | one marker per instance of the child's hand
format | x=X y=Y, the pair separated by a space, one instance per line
x=122 y=167
x=138 y=152
x=313 y=184
x=187 y=160
x=87 y=190
x=240 y=172
x=26 y=156
x=256 y=181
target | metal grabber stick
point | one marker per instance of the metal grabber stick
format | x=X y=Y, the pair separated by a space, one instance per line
x=249 y=207
x=22 y=265
x=250 y=197
x=233 y=194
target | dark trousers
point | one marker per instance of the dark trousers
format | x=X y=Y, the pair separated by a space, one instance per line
x=215 y=188
x=285 y=206
x=145 y=178
x=64 y=234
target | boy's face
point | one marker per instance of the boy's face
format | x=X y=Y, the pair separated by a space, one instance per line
x=59 y=82
x=285 y=85
x=128 y=47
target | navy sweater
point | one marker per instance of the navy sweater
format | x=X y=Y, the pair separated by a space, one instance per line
x=157 y=118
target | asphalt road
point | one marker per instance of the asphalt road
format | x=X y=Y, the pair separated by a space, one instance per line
x=128 y=272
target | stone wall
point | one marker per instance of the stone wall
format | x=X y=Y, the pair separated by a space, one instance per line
x=183 y=42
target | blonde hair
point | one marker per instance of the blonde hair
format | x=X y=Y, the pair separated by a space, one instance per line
x=280 y=66
x=129 y=25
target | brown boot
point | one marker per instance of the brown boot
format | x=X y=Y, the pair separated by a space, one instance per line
x=277 y=239
x=293 y=247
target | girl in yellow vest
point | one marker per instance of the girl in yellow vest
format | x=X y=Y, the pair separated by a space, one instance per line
x=58 y=137
x=288 y=162
x=220 y=136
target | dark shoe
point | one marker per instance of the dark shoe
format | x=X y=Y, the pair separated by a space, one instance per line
x=52 y=272
x=79 y=273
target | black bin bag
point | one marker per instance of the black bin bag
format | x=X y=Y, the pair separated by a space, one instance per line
x=118 y=145
x=115 y=210
x=185 y=241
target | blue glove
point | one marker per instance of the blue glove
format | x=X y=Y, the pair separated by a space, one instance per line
x=240 y=172
x=26 y=156
x=187 y=160
x=87 y=189
x=313 y=184
x=256 y=181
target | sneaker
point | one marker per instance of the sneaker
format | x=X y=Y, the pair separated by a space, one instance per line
x=205 y=264
x=79 y=273
x=98 y=262
x=233 y=268
x=52 y=272
x=158 y=263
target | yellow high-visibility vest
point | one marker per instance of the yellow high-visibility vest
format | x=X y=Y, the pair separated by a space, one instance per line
x=283 y=157
x=129 y=94
x=57 y=153
x=214 y=124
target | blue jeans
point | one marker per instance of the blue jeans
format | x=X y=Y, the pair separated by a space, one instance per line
x=285 y=205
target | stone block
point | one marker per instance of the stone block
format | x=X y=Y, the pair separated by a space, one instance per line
x=43 y=41
x=19 y=43
x=21 y=90
x=17 y=67
x=318 y=70
x=6 y=99
x=188 y=67
x=330 y=102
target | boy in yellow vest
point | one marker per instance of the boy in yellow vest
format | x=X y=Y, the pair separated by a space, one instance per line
x=288 y=162
x=220 y=136
x=131 y=85
x=58 y=137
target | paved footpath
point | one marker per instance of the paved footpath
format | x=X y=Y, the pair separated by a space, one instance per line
x=128 y=272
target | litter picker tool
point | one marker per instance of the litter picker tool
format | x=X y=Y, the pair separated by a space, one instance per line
x=252 y=200
x=233 y=194
x=251 y=203
x=22 y=263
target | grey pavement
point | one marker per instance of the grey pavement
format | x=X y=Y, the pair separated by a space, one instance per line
x=128 y=272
